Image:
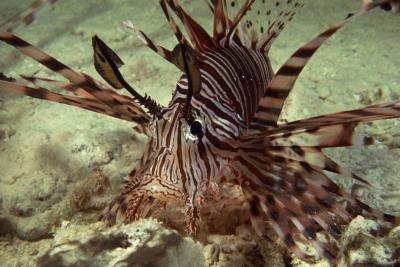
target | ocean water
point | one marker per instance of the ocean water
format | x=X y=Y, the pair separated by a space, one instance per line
x=61 y=164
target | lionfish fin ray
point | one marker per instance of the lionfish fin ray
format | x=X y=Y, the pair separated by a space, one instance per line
x=60 y=84
x=131 y=107
x=210 y=5
x=239 y=16
x=199 y=37
x=163 y=52
x=264 y=206
x=316 y=158
x=343 y=121
x=276 y=25
x=42 y=93
x=270 y=106
x=81 y=80
x=51 y=63
x=337 y=135
x=177 y=31
x=221 y=20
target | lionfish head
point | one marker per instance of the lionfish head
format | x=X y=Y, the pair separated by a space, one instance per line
x=194 y=138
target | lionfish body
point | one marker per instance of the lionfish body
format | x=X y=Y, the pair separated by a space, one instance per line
x=223 y=118
x=185 y=164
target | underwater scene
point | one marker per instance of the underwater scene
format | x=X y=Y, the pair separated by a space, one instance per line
x=199 y=133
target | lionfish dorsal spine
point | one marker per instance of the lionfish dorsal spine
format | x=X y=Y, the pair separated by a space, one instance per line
x=278 y=90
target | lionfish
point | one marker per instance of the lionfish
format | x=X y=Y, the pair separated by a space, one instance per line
x=223 y=119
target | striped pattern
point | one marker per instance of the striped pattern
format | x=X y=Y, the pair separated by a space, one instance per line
x=271 y=104
x=232 y=128
x=97 y=97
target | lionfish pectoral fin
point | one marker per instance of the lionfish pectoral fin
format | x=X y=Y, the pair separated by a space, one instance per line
x=44 y=94
x=304 y=140
x=287 y=182
x=270 y=105
x=264 y=206
x=341 y=122
x=80 y=84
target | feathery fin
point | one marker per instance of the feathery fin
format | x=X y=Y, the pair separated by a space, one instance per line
x=271 y=104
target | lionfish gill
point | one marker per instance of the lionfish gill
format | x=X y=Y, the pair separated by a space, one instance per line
x=223 y=118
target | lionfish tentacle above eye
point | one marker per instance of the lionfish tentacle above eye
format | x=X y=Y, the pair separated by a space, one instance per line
x=188 y=63
x=284 y=80
x=27 y=16
x=107 y=64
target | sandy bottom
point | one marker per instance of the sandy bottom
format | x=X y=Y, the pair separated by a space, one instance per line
x=59 y=163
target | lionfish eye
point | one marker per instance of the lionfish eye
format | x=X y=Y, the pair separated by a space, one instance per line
x=196 y=128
